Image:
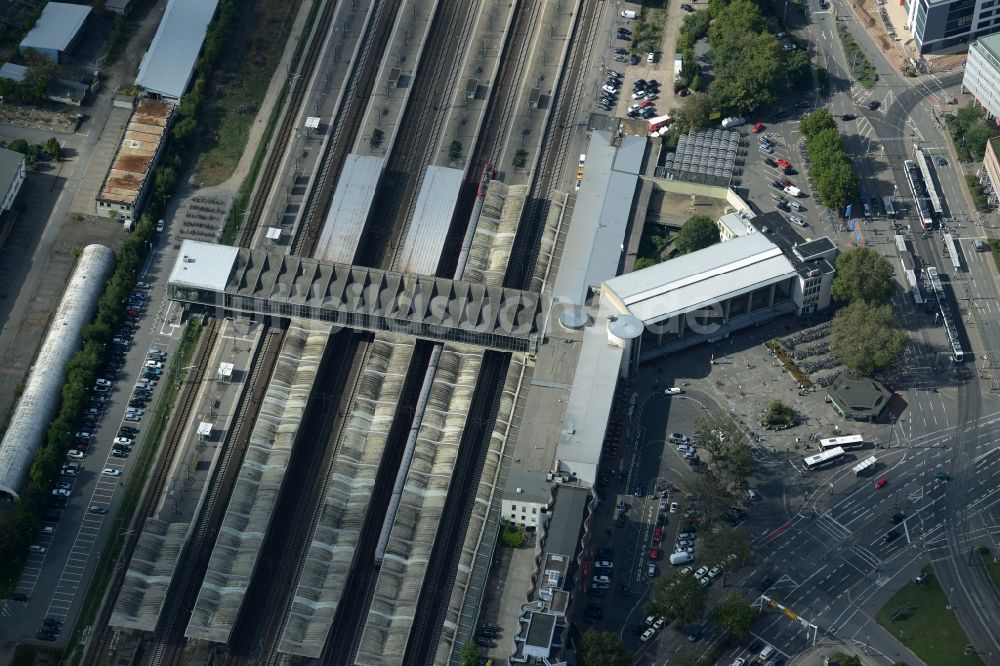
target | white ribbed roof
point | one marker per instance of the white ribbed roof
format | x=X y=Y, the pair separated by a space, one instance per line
x=56 y=27
x=38 y=403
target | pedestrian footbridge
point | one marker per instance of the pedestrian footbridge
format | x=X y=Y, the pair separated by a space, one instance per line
x=258 y=282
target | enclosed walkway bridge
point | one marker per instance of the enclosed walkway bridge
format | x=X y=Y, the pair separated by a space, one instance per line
x=257 y=282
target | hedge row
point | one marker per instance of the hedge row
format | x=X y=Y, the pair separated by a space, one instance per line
x=788 y=362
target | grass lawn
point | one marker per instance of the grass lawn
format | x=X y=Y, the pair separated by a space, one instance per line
x=239 y=85
x=925 y=625
x=992 y=567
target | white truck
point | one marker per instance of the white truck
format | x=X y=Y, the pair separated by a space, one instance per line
x=791 y=190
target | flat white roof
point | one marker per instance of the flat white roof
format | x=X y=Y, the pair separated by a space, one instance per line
x=168 y=65
x=590 y=400
x=56 y=27
x=736 y=224
x=701 y=278
x=593 y=247
x=203 y=265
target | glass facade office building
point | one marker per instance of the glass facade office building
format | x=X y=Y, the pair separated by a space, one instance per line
x=948 y=25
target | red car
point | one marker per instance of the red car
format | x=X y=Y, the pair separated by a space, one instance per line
x=654 y=554
x=658 y=536
x=881 y=482
x=783 y=163
x=757 y=128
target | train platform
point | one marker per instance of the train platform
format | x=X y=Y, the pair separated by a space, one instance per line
x=475 y=83
x=541 y=76
x=164 y=534
x=396 y=78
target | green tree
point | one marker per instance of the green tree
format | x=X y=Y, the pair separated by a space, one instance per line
x=694 y=112
x=679 y=597
x=603 y=648
x=778 y=414
x=866 y=338
x=643 y=262
x=697 y=233
x=726 y=541
x=740 y=462
x=863 y=275
x=975 y=139
x=512 y=536
x=798 y=69
x=53 y=148
x=734 y=615
x=738 y=16
x=719 y=432
x=711 y=496
x=842 y=659
x=470 y=655
x=817 y=121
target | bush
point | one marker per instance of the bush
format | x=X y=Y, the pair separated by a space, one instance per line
x=861 y=67
x=970 y=132
x=978 y=196
x=512 y=536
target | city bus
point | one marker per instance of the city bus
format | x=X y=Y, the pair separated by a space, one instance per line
x=847 y=442
x=821 y=460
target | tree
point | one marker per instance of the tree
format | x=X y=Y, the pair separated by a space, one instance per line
x=694 y=112
x=643 y=262
x=725 y=542
x=603 y=648
x=863 y=275
x=512 y=536
x=697 y=233
x=740 y=462
x=53 y=148
x=798 y=69
x=711 y=496
x=719 y=432
x=470 y=655
x=842 y=659
x=734 y=615
x=778 y=415
x=817 y=121
x=866 y=338
x=679 y=597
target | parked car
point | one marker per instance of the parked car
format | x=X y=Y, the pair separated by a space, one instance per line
x=111 y=471
x=73 y=453
x=35 y=548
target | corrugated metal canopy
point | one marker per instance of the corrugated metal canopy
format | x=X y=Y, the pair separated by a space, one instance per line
x=168 y=65
x=56 y=27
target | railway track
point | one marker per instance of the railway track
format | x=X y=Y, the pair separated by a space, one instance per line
x=168 y=645
x=435 y=593
x=499 y=115
x=347 y=126
x=559 y=131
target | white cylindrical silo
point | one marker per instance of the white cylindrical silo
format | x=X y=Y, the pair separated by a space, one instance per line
x=37 y=406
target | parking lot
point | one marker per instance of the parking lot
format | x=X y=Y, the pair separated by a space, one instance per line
x=87 y=495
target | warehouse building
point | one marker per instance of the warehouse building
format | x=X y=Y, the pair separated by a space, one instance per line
x=129 y=177
x=56 y=31
x=168 y=66
x=59 y=90
x=12 y=165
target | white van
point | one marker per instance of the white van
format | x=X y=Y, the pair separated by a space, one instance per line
x=766 y=653
x=583 y=159
x=679 y=558
x=752 y=495
x=628 y=14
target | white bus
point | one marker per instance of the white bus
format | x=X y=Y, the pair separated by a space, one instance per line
x=821 y=460
x=847 y=442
